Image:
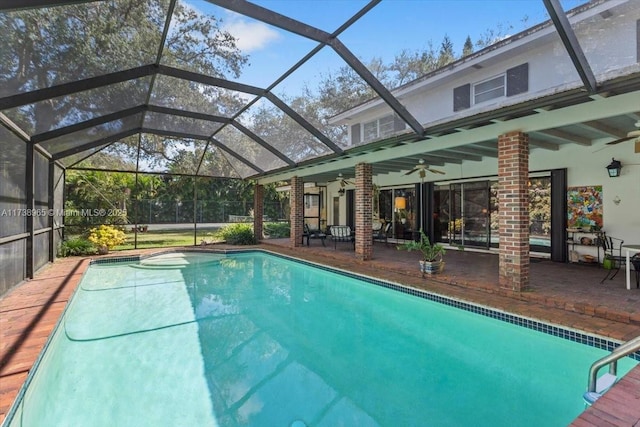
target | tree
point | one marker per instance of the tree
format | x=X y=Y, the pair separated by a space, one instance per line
x=408 y=66
x=467 y=49
x=51 y=46
x=446 y=55
x=493 y=35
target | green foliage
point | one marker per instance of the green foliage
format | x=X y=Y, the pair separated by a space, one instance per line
x=106 y=235
x=540 y=206
x=430 y=252
x=75 y=247
x=276 y=230
x=238 y=234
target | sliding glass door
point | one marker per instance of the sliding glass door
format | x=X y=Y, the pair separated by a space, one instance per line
x=466 y=214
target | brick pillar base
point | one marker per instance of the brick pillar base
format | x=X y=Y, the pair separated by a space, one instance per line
x=297 y=211
x=364 y=211
x=258 y=210
x=513 y=200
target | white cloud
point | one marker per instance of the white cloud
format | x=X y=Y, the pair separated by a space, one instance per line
x=251 y=36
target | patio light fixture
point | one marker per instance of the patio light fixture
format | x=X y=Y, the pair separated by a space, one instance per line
x=614 y=168
x=400 y=203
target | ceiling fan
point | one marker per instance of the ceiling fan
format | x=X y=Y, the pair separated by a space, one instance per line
x=634 y=134
x=423 y=168
x=343 y=182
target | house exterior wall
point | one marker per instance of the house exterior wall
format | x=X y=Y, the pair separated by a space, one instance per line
x=584 y=167
x=550 y=69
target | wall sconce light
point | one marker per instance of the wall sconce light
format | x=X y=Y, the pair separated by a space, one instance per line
x=614 y=168
x=400 y=203
x=341 y=191
x=617 y=200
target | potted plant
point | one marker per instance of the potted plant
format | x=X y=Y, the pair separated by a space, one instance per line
x=431 y=261
x=106 y=237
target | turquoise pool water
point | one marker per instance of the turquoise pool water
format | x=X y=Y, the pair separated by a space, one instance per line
x=257 y=340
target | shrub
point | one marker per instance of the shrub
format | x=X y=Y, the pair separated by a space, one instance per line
x=75 y=247
x=276 y=230
x=238 y=234
x=106 y=236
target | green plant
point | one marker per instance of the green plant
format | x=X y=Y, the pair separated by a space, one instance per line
x=106 y=236
x=75 y=247
x=238 y=234
x=276 y=230
x=430 y=252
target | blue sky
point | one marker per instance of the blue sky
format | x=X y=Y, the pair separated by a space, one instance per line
x=383 y=32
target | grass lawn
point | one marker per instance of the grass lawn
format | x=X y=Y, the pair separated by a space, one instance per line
x=165 y=238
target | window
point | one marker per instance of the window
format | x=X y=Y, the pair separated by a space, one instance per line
x=378 y=128
x=489 y=89
x=514 y=82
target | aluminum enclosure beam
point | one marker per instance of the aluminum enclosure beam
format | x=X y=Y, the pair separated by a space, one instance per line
x=263 y=143
x=38 y=95
x=570 y=41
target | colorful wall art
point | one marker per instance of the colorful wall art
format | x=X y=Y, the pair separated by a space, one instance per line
x=584 y=207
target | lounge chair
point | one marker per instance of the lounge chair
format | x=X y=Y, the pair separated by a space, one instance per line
x=341 y=233
x=313 y=234
x=382 y=234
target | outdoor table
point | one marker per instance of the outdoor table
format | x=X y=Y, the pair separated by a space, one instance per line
x=628 y=250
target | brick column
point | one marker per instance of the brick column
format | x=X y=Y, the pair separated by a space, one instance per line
x=364 y=211
x=258 y=210
x=513 y=200
x=297 y=211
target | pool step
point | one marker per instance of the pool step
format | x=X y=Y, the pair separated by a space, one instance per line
x=603 y=384
x=599 y=385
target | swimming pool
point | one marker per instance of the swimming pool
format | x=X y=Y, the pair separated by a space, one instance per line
x=254 y=339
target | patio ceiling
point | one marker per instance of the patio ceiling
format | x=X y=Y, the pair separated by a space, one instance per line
x=76 y=94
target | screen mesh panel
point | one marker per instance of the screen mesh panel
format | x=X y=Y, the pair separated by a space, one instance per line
x=94 y=133
x=181 y=94
x=56 y=45
x=13 y=257
x=66 y=110
x=41 y=191
x=13 y=158
x=282 y=132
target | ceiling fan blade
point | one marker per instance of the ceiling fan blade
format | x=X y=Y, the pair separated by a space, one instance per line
x=411 y=171
x=436 y=171
x=618 y=141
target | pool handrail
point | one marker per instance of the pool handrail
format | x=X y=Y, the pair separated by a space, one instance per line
x=611 y=359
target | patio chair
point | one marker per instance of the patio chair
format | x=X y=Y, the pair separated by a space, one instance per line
x=341 y=233
x=612 y=249
x=313 y=234
x=382 y=234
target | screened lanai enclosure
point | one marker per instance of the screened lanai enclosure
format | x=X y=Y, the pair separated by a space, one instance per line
x=197 y=101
